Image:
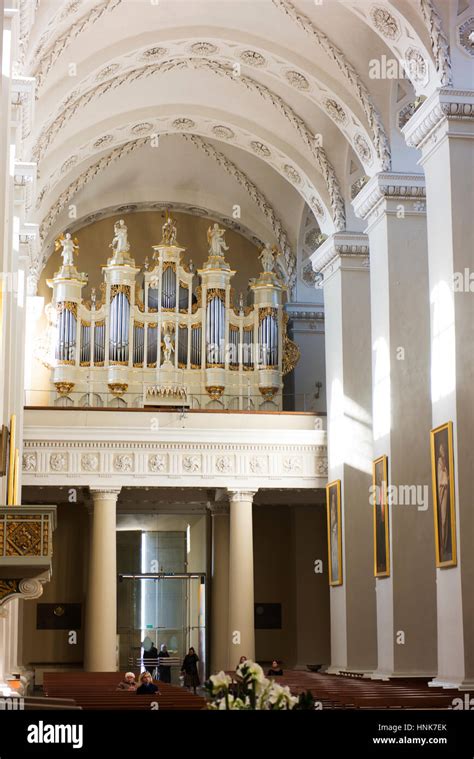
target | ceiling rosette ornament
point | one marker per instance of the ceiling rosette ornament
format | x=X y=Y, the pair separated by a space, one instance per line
x=252 y=58
x=385 y=23
x=223 y=132
x=260 y=149
x=184 y=123
x=203 y=48
x=297 y=80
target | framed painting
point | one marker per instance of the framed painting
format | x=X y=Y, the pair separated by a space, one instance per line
x=333 y=503
x=381 y=517
x=442 y=471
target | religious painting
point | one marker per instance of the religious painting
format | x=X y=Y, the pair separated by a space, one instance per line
x=333 y=503
x=381 y=528
x=442 y=470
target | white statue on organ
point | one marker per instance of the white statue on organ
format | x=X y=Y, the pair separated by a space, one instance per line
x=120 y=242
x=168 y=348
x=267 y=257
x=215 y=238
x=68 y=248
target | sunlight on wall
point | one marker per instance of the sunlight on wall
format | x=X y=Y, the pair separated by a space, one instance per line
x=443 y=354
x=349 y=431
x=381 y=389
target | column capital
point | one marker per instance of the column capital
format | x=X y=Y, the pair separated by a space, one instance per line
x=348 y=250
x=101 y=492
x=447 y=112
x=237 y=496
x=385 y=192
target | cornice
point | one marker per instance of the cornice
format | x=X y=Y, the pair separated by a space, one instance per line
x=442 y=107
x=232 y=465
x=388 y=186
x=341 y=244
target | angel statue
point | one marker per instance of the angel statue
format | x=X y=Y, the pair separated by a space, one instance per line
x=169 y=230
x=267 y=257
x=215 y=238
x=168 y=347
x=68 y=247
x=120 y=242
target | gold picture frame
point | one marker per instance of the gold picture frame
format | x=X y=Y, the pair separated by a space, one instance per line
x=444 y=509
x=381 y=517
x=333 y=510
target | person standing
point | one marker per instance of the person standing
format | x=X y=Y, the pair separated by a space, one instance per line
x=190 y=671
x=164 y=670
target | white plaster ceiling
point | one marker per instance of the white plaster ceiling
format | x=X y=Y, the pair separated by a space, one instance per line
x=281 y=90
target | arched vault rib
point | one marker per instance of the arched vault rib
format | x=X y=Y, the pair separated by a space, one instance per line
x=285 y=68
x=229 y=166
x=309 y=139
x=374 y=119
x=222 y=126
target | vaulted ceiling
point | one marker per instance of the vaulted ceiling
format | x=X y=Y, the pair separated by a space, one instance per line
x=252 y=109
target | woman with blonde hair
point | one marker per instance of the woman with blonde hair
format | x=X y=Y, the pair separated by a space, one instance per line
x=146 y=684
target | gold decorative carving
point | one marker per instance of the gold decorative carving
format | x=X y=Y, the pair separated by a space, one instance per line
x=64 y=388
x=116 y=289
x=85 y=324
x=152 y=325
x=9 y=588
x=215 y=292
x=84 y=363
x=24 y=537
x=118 y=363
x=291 y=355
x=268 y=392
x=66 y=362
x=67 y=305
x=118 y=388
x=169 y=265
x=139 y=324
x=215 y=391
x=267 y=311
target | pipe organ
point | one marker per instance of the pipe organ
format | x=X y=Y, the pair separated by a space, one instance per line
x=175 y=336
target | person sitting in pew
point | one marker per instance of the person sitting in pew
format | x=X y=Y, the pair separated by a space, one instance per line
x=275 y=670
x=146 y=685
x=128 y=682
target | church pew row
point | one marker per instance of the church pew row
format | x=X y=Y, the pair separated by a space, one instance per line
x=354 y=693
x=97 y=690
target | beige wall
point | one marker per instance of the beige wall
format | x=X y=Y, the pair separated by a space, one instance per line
x=287 y=541
x=67 y=585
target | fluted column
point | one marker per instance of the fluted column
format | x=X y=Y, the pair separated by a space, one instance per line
x=219 y=586
x=241 y=581
x=101 y=605
x=443 y=130
x=343 y=261
x=394 y=207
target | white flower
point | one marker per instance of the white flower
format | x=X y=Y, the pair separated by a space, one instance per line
x=220 y=681
x=252 y=670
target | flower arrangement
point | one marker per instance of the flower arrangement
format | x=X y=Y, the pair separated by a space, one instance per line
x=250 y=690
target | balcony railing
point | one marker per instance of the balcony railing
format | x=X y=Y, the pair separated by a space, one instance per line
x=300 y=402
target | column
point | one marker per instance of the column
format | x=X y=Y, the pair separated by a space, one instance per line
x=219 y=586
x=393 y=206
x=443 y=129
x=343 y=262
x=100 y=639
x=241 y=632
